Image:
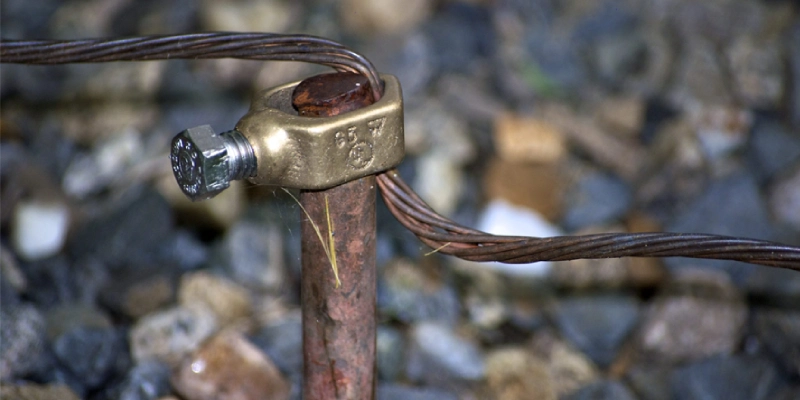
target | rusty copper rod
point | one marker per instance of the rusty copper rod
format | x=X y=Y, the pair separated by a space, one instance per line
x=338 y=322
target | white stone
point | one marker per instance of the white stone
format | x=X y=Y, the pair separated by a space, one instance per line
x=502 y=218
x=39 y=228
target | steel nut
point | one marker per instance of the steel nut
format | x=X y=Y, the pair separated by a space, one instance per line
x=200 y=162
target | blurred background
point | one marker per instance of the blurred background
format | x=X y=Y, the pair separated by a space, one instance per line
x=534 y=117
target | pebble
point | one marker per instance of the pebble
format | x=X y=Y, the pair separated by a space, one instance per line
x=784 y=198
x=92 y=355
x=720 y=130
x=37 y=392
x=794 y=56
x=727 y=377
x=228 y=367
x=486 y=311
x=623 y=116
x=700 y=314
x=252 y=254
x=617 y=57
x=772 y=148
x=384 y=16
x=569 y=368
x=438 y=355
x=129 y=234
x=757 y=67
x=390 y=349
x=604 y=273
x=148 y=380
x=444 y=147
x=138 y=295
x=442 y=184
x=248 y=15
x=603 y=390
x=219 y=212
x=779 y=331
x=282 y=342
x=114 y=82
x=522 y=139
x=407 y=293
x=698 y=77
x=597 y=325
x=229 y=301
x=501 y=218
x=731 y=206
x=650 y=382
x=11 y=274
x=622 y=157
x=461 y=35
x=392 y=391
x=88 y=174
x=536 y=187
x=595 y=199
x=515 y=374
x=168 y=335
x=22 y=340
x=39 y=228
x=68 y=316
x=775 y=286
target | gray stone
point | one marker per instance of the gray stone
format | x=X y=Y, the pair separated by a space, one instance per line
x=779 y=332
x=618 y=57
x=597 y=325
x=282 y=341
x=408 y=294
x=596 y=199
x=68 y=316
x=513 y=373
x=390 y=351
x=650 y=382
x=603 y=390
x=438 y=355
x=388 y=391
x=37 y=392
x=59 y=280
x=776 y=286
x=731 y=206
x=784 y=198
x=22 y=339
x=145 y=381
x=131 y=233
x=794 y=62
x=461 y=35
x=569 y=368
x=704 y=316
x=137 y=293
x=252 y=254
x=727 y=377
x=92 y=355
x=188 y=251
x=170 y=334
x=772 y=148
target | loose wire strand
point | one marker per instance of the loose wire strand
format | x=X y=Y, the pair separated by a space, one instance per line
x=433 y=229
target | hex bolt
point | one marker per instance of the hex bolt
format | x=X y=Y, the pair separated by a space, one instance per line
x=204 y=163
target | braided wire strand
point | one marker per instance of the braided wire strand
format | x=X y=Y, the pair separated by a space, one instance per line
x=432 y=229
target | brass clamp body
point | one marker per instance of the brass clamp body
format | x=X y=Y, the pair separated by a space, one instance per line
x=273 y=145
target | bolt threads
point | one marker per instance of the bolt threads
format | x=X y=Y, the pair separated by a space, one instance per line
x=241 y=158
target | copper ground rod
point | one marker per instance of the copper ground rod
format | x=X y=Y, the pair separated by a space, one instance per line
x=338 y=322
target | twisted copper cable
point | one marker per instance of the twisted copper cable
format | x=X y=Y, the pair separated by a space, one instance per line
x=432 y=229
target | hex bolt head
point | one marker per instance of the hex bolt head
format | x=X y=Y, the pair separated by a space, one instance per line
x=204 y=163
